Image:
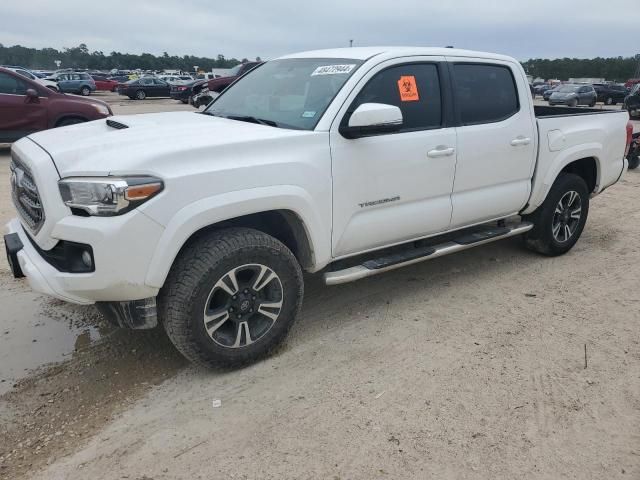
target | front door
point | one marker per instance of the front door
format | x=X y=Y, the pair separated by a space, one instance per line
x=394 y=187
x=496 y=141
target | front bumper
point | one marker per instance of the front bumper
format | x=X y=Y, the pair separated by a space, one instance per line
x=121 y=258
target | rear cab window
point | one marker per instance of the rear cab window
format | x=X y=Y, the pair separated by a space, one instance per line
x=484 y=93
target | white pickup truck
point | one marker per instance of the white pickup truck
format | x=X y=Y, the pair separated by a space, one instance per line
x=349 y=162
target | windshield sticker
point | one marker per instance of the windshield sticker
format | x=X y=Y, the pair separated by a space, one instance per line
x=309 y=114
x=408 y=89
x=333 y=70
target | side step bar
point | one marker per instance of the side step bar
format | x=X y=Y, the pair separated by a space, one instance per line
x=416 y=255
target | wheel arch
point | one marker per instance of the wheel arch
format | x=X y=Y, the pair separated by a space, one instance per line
x=587 y=168
x=284 y=212
x=582 y=161
x=69 y=116
x=284 y=225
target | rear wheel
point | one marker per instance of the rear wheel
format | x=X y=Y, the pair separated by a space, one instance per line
x=231 y=297
x=85 y=91
x=634 y=161
x=610 y=101
x=140 y=95
x=559 y=221
x=573 y=102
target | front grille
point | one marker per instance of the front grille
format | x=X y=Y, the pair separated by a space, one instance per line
x=24 y=193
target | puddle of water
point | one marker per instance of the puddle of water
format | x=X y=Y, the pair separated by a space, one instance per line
x=36 y=331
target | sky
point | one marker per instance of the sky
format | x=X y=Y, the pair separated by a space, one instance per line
x=240 y=28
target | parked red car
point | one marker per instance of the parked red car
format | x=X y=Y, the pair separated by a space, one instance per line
x=27 y=107
x=105 y=84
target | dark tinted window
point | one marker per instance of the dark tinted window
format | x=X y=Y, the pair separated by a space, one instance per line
x=12 y=85
x=414 y=88
x=484 y=93
x=99 y=79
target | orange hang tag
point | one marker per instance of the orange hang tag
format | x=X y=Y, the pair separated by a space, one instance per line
x=408 y=89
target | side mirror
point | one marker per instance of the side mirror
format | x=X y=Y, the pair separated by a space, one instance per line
x=32 y=94
x=372 y=119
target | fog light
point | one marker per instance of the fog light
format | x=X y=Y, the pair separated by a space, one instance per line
x=86 y=259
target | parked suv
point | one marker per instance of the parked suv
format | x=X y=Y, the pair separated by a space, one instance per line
x=27 y=106
x=574 y=95
x=74 y=82
x=611 y=94
x=632 y=101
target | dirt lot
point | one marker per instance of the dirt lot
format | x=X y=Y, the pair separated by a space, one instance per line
x=470 y=366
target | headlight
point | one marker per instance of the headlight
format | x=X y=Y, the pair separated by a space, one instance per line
x=108 y=196
x=102 y=109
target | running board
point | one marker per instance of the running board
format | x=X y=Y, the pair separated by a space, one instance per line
x=416 y=255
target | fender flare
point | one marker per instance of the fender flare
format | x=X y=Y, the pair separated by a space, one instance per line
x=227 y=206
x=564 y=158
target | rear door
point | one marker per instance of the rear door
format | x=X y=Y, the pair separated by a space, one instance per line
x=19 y=114
x=496 y=136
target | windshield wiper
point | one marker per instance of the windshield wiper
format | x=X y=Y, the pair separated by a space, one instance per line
x=249 y=118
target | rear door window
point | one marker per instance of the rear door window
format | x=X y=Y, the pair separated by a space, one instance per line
x=413 y=87
x=484 y=93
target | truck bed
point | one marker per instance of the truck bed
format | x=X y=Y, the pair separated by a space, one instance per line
x=545 y=111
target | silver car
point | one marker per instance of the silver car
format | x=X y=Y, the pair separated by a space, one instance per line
x=574 y=95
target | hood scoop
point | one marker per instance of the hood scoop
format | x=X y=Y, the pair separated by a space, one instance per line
x=116 y=125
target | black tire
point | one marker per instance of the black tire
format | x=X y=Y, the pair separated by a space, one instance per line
x=185 y=101
x=85 y=91
x=141 y=95
x=573 y=102
x=69 y=121
x=634 y=162
x=541 y=238
x=610 y=101
x=192 y=287
x=592 y=104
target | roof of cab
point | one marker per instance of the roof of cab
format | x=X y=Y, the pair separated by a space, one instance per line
x=364 y=53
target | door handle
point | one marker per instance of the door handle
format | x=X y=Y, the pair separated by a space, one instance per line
x=516 y=142
x=441 y=152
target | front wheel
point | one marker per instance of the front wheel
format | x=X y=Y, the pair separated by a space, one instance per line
x=634 y=161
x=573 y=102
x=85 y=91
x=140 y=95
x=559 y=221
x=231 y=297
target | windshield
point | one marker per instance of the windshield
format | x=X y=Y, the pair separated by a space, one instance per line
x=568 y=89
x=288 y=93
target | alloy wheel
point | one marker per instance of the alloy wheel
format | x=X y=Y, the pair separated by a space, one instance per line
x=566 y=216
x=243 y=306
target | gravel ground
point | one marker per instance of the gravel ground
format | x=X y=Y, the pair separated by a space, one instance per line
x=469 y=366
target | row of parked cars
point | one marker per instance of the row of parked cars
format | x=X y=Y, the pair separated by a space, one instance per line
x=582 y=94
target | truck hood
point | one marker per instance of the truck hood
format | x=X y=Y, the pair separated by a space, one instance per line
x=143 y=144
